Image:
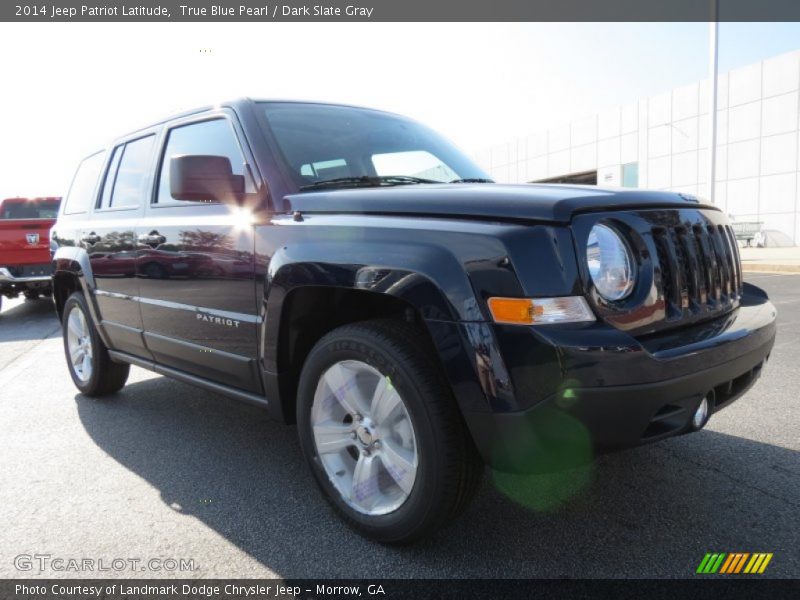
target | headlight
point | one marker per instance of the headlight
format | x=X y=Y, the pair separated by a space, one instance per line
x=610 y=263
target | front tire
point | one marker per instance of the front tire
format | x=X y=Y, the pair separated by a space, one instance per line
x=382 y=433
x=90 y=366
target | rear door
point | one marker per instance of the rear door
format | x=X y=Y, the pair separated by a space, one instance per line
x=196 y=266
x=109 y=237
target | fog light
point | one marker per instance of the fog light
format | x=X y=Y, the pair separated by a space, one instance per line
x=701 y=414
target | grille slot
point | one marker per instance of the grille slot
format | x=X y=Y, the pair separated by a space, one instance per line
x=696 y=290
x=699 y=266
x=671 y=287
x=733 y=248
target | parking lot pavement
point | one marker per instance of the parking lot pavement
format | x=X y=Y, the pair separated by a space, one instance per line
x=163 y=470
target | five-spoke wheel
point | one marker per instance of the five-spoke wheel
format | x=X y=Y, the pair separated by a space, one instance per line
x=88 y=361
x=381 y=431
x=79 y=344
x=364 y=437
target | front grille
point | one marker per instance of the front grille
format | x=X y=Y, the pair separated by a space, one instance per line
x=688 y=267
x=699 y=267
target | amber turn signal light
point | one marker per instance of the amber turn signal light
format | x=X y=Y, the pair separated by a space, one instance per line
x=512 y=310
x=532 y=311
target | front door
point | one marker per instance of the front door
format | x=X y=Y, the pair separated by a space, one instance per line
x=196 y=268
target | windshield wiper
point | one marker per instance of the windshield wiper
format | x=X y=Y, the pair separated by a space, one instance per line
x=472 y=180
x=368 y=181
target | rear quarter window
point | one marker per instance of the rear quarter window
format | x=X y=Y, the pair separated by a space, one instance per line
x=81 y=192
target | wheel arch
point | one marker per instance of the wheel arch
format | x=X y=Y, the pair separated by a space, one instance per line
x=72 y=272
x=313 y=288
x=309 y=312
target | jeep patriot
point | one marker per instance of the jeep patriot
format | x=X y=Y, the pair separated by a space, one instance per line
x=352 y=272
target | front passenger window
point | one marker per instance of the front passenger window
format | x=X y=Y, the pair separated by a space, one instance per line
x=212 y=138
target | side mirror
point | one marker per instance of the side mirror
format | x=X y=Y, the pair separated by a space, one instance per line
x=202 y=178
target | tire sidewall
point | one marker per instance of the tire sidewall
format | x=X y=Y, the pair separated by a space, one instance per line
x=397 y=523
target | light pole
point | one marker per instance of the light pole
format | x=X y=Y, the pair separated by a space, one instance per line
x=713 y=65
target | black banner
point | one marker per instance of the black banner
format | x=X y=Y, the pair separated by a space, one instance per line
x=394 y=589
x=405 y=10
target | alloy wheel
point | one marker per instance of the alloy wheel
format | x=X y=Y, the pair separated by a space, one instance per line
x=79 y=344
x=364 y=437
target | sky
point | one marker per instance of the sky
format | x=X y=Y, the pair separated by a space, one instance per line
x=68 y=88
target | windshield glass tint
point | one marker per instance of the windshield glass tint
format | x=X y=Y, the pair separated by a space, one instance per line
x=322 y=142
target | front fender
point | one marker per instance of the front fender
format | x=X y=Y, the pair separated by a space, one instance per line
x=442 y=268
x=426 y=277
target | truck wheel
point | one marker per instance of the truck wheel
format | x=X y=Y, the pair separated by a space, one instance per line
x=154 y=271
x=381 y=431
x=31 y=295
x=91 y=368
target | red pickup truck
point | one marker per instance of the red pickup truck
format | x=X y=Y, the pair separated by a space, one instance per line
x=25 y=258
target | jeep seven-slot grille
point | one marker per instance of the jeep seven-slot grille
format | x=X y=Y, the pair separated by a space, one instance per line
x=700 y=269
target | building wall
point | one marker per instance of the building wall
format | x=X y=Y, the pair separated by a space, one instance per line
x=758 y=147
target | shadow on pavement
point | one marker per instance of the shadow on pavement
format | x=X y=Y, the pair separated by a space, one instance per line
x=29 y=320
x=651 y=511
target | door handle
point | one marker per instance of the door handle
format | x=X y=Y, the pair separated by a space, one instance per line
x=91 y=238
x=152 y=239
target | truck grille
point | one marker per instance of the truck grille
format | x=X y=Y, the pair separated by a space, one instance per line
x=700 y=268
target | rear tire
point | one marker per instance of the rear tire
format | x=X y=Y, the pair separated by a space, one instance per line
x=424 y=468
x=31 y=295
x=89 y=364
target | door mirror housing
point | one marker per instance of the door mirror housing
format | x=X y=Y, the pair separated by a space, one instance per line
x=204 y=178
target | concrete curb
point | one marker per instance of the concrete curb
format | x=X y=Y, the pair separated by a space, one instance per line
x=770 y=268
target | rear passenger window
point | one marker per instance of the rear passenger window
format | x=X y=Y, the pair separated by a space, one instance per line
x=81 y=192
x=126 y=181
x=213 y=138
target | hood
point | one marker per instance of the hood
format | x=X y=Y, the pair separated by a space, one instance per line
x=528 y=202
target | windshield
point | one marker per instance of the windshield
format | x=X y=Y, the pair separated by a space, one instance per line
x=338 y=146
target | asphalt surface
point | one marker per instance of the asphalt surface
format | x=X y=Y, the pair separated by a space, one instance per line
x=164 y=470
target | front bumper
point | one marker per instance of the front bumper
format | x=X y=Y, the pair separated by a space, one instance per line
x=607 y=390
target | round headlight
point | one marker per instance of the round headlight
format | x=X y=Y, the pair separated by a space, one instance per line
x=610 y=263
